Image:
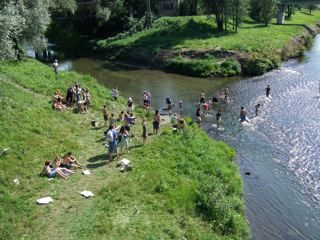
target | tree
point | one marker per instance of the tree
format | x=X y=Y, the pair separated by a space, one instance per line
x=237 y=10
x=22 y=21
x=63 y=6
x=217 y=8
x=263 y=10
x=224 y=10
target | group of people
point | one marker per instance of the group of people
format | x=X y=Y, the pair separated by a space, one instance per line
x=62 y=167
x=204 y=106
x=75 y=95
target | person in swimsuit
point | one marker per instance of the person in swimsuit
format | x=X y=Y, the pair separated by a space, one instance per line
x=50 y=172
x=105 y=114
x=156 y=122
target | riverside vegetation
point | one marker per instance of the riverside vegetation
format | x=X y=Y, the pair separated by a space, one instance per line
x=192 y=46
x=183 y=185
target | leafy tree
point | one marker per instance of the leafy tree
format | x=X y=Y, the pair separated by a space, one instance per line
x=217 y=8
x=63 y=6
x=263 y=10
x=223 y=10
x=22 y=21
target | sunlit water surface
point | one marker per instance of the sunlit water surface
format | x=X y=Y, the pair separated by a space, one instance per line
x=280 y=149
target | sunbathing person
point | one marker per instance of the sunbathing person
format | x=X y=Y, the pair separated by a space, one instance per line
x=59 y=106
x=50 y=172
x=57 y=165
x=70 y=161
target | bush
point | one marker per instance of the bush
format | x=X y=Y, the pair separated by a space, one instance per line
x=256 y=66
x=230 y=67
x=196 y=68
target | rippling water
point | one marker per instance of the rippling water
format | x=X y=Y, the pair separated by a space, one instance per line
x=280 y=149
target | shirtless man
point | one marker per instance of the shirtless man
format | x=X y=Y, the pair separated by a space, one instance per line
x=243 y=114
x=218 y=118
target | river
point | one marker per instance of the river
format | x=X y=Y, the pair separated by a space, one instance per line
x=280 y=149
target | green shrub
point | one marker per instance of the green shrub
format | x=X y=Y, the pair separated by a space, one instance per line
x=230 y=67
x=196 y=68
x=257 y=66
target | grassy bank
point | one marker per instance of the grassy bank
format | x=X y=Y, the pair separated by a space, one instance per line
x=175 y=42
x=183 y=185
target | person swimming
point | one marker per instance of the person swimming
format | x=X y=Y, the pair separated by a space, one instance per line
x=243 y=114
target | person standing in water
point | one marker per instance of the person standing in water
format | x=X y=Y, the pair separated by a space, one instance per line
x=243 y=114
x=202 y=97
x=198 y=115
x=218 y=118
x=257 y=109
x=226 y=94
x=268 y=91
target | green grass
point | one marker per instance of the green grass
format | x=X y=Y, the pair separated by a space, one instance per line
x=182 y=185
x=198 y=34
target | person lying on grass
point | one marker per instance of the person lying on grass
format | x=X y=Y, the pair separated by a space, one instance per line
x=57 y=165
x=50 y=172
x=69 y=161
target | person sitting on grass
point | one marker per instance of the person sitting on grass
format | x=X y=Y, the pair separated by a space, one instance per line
x=57 y=95
x=70 y=161
x=131 y=119
x=181 y=123
x=50 y=172
x=59 y=106
x=121 y=116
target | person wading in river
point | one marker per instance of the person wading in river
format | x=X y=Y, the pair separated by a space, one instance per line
x=257 y=109
x=243 y=114
x=218 y=118
x=268 y=91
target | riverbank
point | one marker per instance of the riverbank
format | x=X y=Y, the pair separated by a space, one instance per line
x=182 y=185
x=191 y=46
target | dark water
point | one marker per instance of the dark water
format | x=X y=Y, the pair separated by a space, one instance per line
x=280 y=149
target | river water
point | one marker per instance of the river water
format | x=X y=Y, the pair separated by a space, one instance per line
x=280 y=149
